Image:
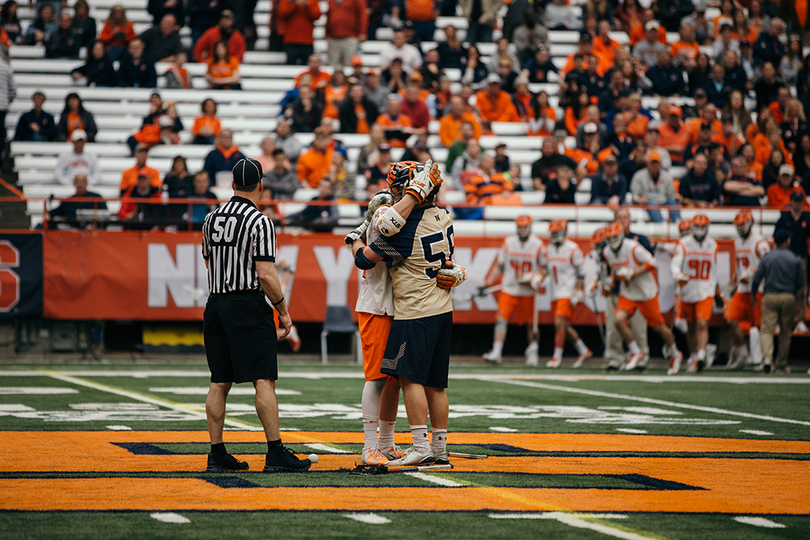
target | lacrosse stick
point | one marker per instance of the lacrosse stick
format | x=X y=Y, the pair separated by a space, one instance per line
x=483 y=290
x=373 y=470
x=467 y=456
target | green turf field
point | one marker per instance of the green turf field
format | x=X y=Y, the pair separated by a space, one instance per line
x=116 y=451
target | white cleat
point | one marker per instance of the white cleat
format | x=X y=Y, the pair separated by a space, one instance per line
x=801 y=328
x=492 y=358
x=554 y=362
x=532 y=356
x=711 y=353
x=581 y=358
x=372 y=456
x=633 y=361
x=675 y=363
x=413 y=457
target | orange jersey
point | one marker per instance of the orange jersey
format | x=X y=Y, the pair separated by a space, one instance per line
x=420 y=10
x=211 y=122
x=638 y=34
x=332 y=97
x=129 y=178
x=637 y=127
x=222 y=69
x=605 y=52
x=450 y=127
x=669 y=137
x=109 y=37
x=543 y=126
x=313 y=166
x=321 y=78
x=779 y=196
x=687 y=50
x=572 y=122
x=500 y=109
x=694 y=127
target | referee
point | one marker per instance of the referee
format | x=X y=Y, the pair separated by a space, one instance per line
x=239 y=248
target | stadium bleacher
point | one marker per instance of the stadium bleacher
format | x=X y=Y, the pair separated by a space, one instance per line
x=252 y=114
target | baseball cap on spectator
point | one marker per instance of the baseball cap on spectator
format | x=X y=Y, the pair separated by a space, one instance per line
x=705 y=125
x=788 y=170
x=372 y=72
x=654 y=156
x=415 y=75
x=141 y=148
x=726 y=118
x=652 y=25
x=674 y=109
x=342 y=151
x=356 y=60
x=590 y=127
x=247 y=172
x=796 y=196
x=745 y=42
x=585 y=37
x=384 y=147
x=700 y=92
x=500 y=144
x=227 y=13
x=78 y=134
x=780 y=235
x=493 y=78
x=143 y=172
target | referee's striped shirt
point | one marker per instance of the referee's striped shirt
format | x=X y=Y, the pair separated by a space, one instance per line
x=235 y=236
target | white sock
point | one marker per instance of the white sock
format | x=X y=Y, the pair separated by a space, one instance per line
x=420 y=438
x=438 y=443
x=558 y=353
x=633 y=346
x=673 y=350
x=701 y=354
x=386 y=439
x=372 y=391
x=497 y=348
x=743 y=350
x=581 y=347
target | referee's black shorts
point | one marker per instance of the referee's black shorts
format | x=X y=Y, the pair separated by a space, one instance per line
x=419 y=350
x=240 y=337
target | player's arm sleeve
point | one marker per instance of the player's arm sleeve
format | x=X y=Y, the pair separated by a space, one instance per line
x=644 y=258
x=676 y=265
x=264 y=240
x=579 y=263
x=394 y=249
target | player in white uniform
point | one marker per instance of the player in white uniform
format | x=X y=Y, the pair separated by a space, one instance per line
x=741 y=313
x=563 y=261
x=694 y=268
x=631 y=264
x=518 y=262
x=684 y=230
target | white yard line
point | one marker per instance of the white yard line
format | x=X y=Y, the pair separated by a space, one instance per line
x=200 y=413
x=503 y=429
x=169 y=517
x=119 y=428
x=371 y=519
x=759 y=522
x=435 y=479
x=756 y=432
x=581 y=521
x=142 y=374
x=327 y=448
x=714 y=410
x=630 y=430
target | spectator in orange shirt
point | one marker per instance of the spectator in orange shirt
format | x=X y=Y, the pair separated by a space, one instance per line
x=639 y=33
x=129 y=178
x=752 y=167
x=779 y=106
x=673 y=135
x=223 y=69
x=398 y=127
x=299 y=17
x=224 y=31
x=586 y=50
x=356 y=111
x=604 y=47
x=206 y=127
x=685 y=51
x=709 y=114
x=334 y=93
x=117 y=33
x=318 y=78
x=485 y=183
x=450 y=124
x=495 y=105
x=577 y=112
x=314 y=165
x=780 y=192
x=143 y=188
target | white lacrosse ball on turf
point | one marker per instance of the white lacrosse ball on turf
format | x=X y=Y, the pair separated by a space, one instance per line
x=313 y=458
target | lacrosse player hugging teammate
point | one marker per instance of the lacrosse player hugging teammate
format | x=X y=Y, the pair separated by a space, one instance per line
x=630 y=264
x=519 y=263
x=417 y=249
x=563 y=260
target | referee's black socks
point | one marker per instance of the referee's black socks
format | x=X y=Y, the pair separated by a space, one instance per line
x=219 y=449
x=275 y=447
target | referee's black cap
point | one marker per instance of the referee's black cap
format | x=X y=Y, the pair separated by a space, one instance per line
x=247 y=172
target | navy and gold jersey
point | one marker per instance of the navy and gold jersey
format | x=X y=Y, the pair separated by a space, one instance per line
x=414 y=257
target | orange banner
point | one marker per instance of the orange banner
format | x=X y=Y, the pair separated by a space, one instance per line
x=162 y=276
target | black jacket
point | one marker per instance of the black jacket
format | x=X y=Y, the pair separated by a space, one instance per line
x=98 y=73
x=142 y=75
x=63 y=45
x=348 y=118
x=87 y=120
x=45 y=121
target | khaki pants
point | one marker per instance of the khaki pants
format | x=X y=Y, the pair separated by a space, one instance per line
x=614 y=349
x=777 y=308
x=341 y=51
x=802 y=295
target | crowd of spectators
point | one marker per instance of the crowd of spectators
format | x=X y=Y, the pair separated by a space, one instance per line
x=709 y=151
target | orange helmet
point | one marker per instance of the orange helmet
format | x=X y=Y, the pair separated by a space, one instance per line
x=398 y=176
x=700 y=227
x=615 y=235
x=598 y=238
x=744 y=221
x=524 y=227
x=557 y=230
x=684 y=227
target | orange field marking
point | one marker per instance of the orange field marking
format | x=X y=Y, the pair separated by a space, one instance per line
x=724 y=484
